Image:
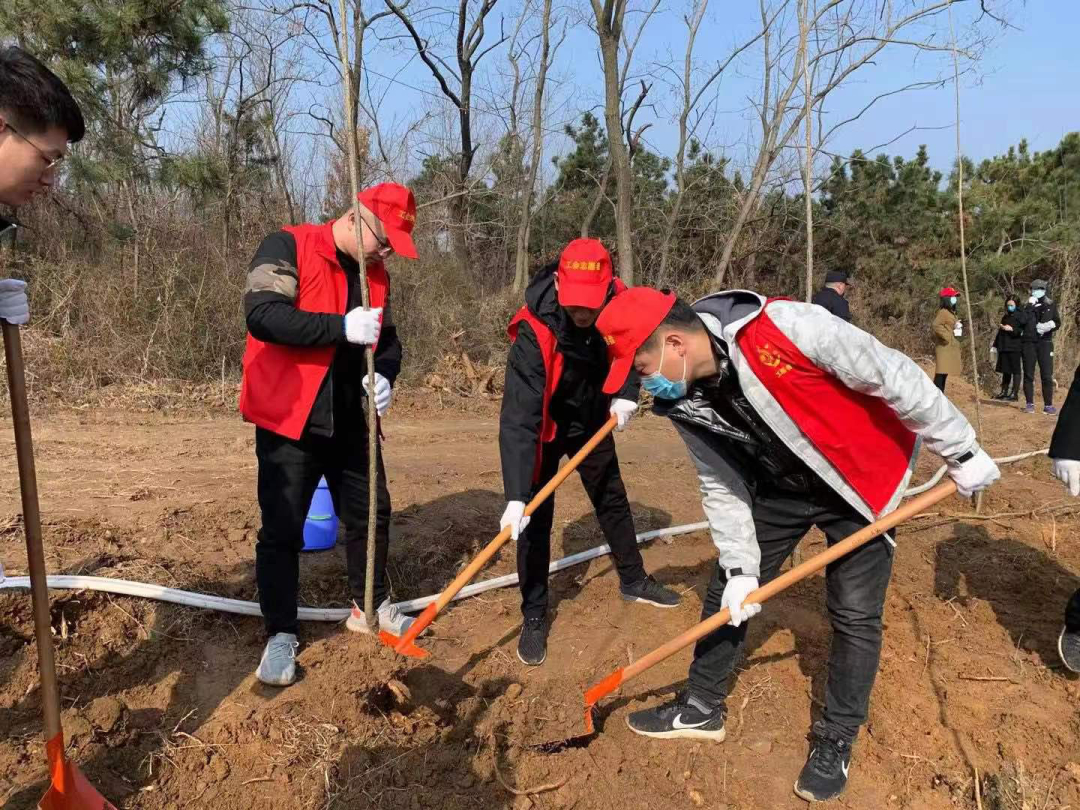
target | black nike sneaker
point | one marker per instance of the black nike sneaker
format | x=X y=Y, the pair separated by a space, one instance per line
x=684 y=717
x=824 y=776
x=532 y=644
x=650 y=592
x=1069 y=649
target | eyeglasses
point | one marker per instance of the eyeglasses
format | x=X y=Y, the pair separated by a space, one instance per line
x=385 y=248
x=50 y=162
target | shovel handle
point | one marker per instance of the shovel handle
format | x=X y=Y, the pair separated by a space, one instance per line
x=489 y=551
x=789 y=578
x=35 y=555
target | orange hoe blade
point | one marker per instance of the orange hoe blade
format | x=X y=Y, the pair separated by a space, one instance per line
x=68 y=789
x=402 y=645
x=765 y=592
x=405 y=644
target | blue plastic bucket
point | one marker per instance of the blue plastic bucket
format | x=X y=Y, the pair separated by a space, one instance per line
x=320 y=528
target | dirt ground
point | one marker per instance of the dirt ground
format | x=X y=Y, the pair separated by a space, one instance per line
x=162 y=711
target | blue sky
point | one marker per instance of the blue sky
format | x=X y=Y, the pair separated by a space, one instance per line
x=1025 y=85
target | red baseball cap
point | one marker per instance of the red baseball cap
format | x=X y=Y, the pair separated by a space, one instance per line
x=395 y=208
x=626 y=323
x=948 y=292
x=584 y=274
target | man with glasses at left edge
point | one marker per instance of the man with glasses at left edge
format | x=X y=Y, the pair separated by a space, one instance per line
x=305 y=382
x=38 y=119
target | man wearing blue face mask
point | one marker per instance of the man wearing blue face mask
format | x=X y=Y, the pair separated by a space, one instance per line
x=1042 y=320
x=553 y=403
x=793 y=419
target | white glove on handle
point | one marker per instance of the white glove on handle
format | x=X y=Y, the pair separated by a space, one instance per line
x=1067 y=470
x=14 y=306
x=514 y=517
x=958 y=329
x=623 y=409
x=383 y=392
x=975 y=474
x=735 y=592
x=1046 y=326
x=363 y=326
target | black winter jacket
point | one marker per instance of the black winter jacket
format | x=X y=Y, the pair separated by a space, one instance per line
x=578 y=407
x=1042 y=312
x=1006 y=341
x=833 y=301
x=1065 y=443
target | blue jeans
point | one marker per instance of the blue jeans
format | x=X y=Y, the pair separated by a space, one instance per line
x=855 y=597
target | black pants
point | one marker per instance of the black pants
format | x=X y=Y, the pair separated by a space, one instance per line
x=1041 y=352
x=289 y=472
x=1072 y=613
x=600 y=476
x=855 y=597
x=939 y=381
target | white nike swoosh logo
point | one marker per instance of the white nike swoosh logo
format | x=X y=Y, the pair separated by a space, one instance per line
x=844 y=766
x=678 y=723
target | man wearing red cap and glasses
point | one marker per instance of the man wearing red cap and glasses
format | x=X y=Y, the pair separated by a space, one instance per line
x=552 y=404
x=793 y=419
x=305 y=384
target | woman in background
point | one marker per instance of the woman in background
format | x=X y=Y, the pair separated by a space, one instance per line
x=1007 y=343
x=947 y=331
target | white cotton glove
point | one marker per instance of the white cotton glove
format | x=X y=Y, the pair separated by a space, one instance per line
x=1046 y=326
x=1033 y=300
x=735 y=592
x=1067 y=470
x=975 y=474
x=514 y=517
x=14 y=306
x=363 y=325
x=383 y=392
x=958 y=329
x=623 y=409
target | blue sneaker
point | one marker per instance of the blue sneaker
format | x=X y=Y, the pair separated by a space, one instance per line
x=1050 y=410
x=1029 y=408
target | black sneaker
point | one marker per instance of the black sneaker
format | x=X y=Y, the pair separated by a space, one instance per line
x=684 y=717
x=1002 y=395
x=1069 y=649
x=824 y=776
x=651 y=592
x=532 y=644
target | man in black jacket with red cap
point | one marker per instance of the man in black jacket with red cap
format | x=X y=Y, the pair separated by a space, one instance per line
x=553 y=403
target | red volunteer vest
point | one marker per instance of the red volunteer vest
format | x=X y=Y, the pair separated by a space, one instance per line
x=281 y=382
x=553 y=366
x=858 y=434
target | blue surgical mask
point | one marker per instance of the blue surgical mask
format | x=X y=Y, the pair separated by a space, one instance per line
x=660 y=386
x=952 y=300
x=1011 y=307
x=1038 y=293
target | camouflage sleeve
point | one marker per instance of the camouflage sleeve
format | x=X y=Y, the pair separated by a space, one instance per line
x=267 y=275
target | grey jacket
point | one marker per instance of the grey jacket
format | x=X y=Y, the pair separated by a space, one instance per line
x=854 y=357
